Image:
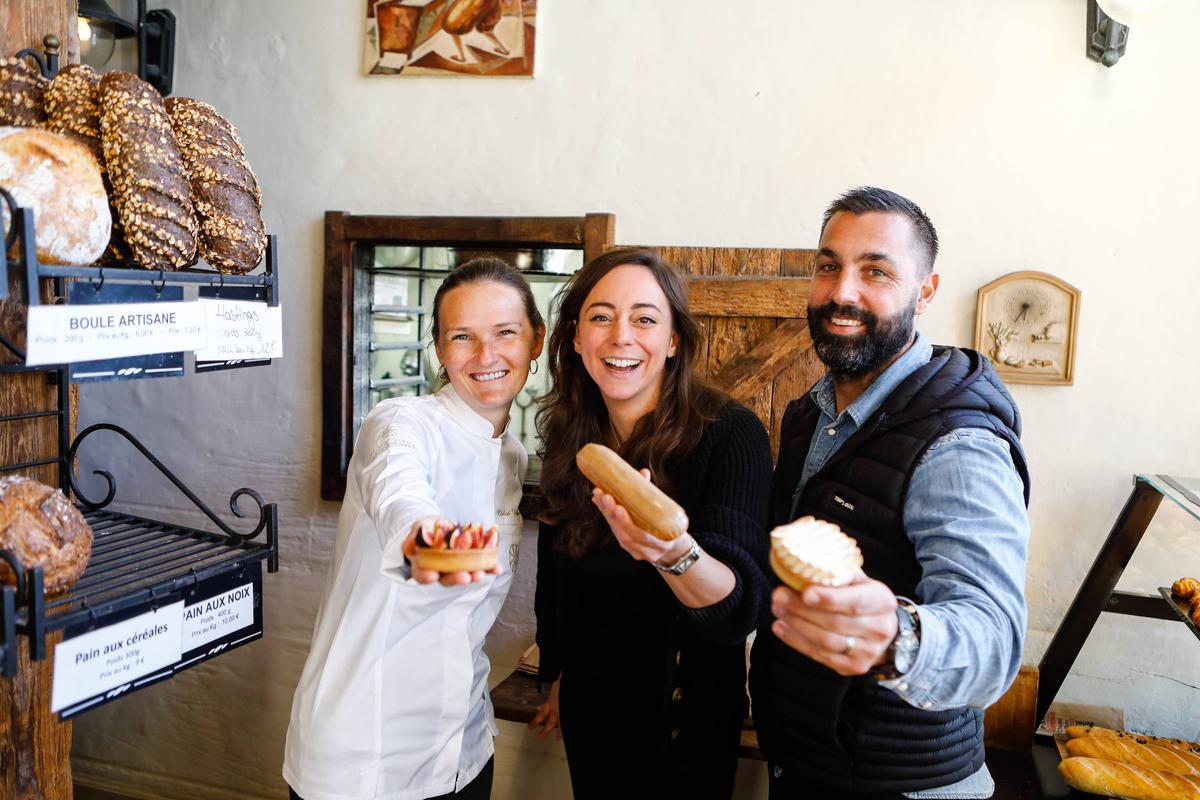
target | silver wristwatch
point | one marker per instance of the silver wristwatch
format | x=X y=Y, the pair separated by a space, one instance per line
x=902 y=653
x=683 y=564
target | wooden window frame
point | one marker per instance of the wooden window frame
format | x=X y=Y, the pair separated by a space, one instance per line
x=592 y=233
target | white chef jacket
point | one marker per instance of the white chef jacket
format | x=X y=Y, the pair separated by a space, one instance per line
x=393 y=702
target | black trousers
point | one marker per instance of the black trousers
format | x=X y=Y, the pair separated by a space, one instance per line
x=782 y=786
x=478 y=789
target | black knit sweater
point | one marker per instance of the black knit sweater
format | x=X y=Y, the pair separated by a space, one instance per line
x=624 y=645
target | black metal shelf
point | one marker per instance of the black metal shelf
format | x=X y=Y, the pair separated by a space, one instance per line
x=137 y=565
x=1181 y=608
x=1097 y=592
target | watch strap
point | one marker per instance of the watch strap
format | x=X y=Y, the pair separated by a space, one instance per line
x=683 y=564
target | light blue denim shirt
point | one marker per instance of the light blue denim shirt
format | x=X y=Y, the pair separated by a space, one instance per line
x=965 y=515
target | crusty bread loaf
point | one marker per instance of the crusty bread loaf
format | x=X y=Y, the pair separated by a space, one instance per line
x=1114 y=779
x=225 y=191
x=73 y=107
x=648 y=506
x=58 y=178
x=150 y=185
x=1163 y=759
x=1077 y=731
x=22 y=93
x=42 y=529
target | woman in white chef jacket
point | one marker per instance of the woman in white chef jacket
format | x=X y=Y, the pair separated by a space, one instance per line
x=393 y=701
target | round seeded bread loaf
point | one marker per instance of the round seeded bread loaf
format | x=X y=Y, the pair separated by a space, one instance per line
x=22 y=93
x=58 y=178
x=149 y=182
x=43 y=529
x=227 y=196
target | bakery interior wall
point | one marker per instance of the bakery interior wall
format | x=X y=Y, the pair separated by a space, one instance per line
x=699 y=124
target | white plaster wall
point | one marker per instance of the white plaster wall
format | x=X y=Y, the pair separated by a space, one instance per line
x=703 y=123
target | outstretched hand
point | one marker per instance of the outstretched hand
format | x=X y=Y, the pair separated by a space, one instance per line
x=847 y=628
x=409 y=548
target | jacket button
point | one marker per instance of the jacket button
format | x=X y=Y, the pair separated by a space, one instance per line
x=926 y=704
x=677 y=695
x=831 y=431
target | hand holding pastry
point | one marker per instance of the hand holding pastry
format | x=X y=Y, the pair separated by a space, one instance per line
x=634 y=539
x=828 y=609
x=441 y=551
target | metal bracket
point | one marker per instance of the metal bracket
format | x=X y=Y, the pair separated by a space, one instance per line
x=1106 y=38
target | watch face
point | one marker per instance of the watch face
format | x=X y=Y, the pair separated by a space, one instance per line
x=906 y=651
x=1026 y=324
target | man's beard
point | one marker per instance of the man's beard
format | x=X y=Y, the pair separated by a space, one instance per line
x=867 y=351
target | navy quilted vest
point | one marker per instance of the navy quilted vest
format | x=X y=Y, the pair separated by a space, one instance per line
x=849 y=734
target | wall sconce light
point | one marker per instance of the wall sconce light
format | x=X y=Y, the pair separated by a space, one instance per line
x=100 y=27
x=1108 y=27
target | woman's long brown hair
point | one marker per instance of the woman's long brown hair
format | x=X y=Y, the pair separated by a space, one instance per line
x=573 y=413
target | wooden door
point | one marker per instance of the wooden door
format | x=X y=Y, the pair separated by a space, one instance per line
x=753 y=306
x=34 y=746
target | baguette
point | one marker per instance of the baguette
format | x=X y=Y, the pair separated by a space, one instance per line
x=1076 y=731
x=648 y=506
x=1163 y=759
x=1114 y=779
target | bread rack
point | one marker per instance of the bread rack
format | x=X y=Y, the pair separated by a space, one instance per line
x=137 y=564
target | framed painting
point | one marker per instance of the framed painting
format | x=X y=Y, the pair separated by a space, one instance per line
x=483 y=38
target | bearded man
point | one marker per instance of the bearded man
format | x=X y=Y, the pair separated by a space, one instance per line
x=877 y=688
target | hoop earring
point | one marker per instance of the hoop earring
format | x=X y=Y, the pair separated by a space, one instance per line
x=533 y=366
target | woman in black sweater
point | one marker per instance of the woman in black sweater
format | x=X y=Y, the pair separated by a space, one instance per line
x=644 y=639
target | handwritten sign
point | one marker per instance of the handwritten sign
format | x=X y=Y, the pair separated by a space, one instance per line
x=60 y=334
x=116 y=655
x=238 y=330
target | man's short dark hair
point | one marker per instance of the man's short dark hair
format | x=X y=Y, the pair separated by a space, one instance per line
x=868 y=198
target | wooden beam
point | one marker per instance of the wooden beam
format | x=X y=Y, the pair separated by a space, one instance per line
x=748 y=297
x=598 y=233
x=451 y=231
x=754 y=372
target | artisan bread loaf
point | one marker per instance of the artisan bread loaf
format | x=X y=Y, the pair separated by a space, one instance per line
x=43 y=529
x=73 y=107
x=1187 y=588
x=150 y=185
x=1077 y=731
x=1163 y=759
x=58 y=178
x=22 y=93
x=1114 y=779
x=226 y=193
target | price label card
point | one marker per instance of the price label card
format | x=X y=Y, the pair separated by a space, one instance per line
x=217 y=616
x=62 y=334
x=154 y=365
x=108 y=660
x=239 y=330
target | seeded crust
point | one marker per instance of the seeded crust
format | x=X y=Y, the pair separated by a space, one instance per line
x=73 y=107
x=227 y=196
x=149 y=182
x=22 y=94
x=42 y=529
